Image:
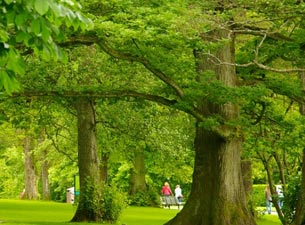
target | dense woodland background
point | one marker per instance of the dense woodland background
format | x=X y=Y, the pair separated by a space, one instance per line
x=130 y=94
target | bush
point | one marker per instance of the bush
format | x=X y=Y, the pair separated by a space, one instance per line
x=291 y=196
x=139 y=199
x=259 y=195
x=148 y=198
x=113 y=203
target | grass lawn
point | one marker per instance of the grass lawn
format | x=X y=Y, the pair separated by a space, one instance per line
x=21 y=212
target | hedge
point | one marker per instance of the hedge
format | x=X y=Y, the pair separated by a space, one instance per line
x=259 y=194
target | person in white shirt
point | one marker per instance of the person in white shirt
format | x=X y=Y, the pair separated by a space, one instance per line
x=178 y=193
x=268 y=199
x=280 y=195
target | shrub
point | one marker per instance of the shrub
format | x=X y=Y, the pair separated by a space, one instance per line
x=139 y=199
x=148 y=198
x=113 y=202
x=259 y=195
x=291 y=196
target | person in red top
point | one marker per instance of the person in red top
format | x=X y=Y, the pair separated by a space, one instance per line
x=166 y=192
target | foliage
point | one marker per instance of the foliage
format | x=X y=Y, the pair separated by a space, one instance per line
x=149 y=198
x=25 y=116
x=37 y=25
x=144 y=125
x=165 y=34
x=291 y=196
x=113 y=203
x=11 y=160
x=259 y=195
x=61 y=177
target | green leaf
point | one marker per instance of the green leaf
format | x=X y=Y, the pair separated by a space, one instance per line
x=45 y=32
x=3 y=35
x=41 y=6
x=21 y=19
x=85 y=23
x=46 y=54
x=8 y=1
x=22 y=37
x=10 y=84
x=10 y=17
x=55 y=9
x=35 y=26
x=3 y=76
x=15 y=63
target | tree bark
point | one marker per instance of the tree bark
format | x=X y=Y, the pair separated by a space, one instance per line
x=218 y=195
x=246 y=167
x=30 y=190
x=88 y=207
x=281 y=170
x=45 y=177
x=137 y=177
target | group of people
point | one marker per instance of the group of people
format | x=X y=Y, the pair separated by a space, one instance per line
x=166 y=192
x=279 y=197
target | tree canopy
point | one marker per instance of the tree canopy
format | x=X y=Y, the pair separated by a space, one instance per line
x=235 y=67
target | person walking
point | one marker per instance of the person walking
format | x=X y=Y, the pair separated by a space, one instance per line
x=178 y=193
x=268 y=197
x=280 y=194
x=166 y=192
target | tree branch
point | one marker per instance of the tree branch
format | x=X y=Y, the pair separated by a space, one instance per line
x=145 y=63
x=97 y=94
x=257 y=31
x=111 y=94
x=255 y=63
x=125 y=56
x=260 y=117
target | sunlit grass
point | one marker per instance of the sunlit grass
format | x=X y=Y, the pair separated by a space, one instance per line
x=21 y=212
x=269 y=220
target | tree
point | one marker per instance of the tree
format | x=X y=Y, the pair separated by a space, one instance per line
x=218 y=153
x=217 y=150
x=137 y=132
x=140 y=33
x=219 y=15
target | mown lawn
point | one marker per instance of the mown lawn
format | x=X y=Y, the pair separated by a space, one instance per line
x=20 y=212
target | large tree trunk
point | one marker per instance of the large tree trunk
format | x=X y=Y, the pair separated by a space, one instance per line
x=45 y=177
x=246 y=168
x=46 y=193
x=137 y=177
x=88 y=207
x=299 y=218
x=30 y=190
x=218 y=195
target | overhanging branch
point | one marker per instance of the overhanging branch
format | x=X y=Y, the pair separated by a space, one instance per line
x=87 y=40
x=97 y=94
x=110 y=94
x=258 y=31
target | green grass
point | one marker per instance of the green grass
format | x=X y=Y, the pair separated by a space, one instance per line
x=269 y=220
x=21 y=212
